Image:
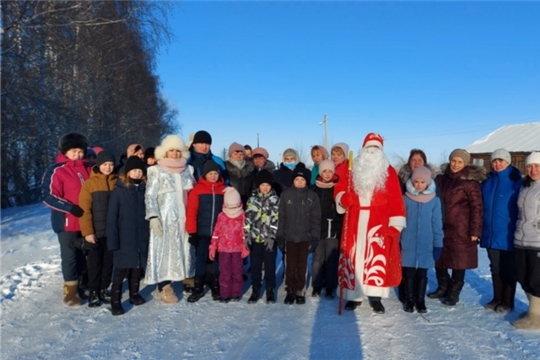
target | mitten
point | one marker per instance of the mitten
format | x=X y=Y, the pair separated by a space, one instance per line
x=313 y=244
x=193 y=239
x=155 y=225
x=270 y=243
x=347 y=200
x=76 y=211
x=245 y=253
x=437 y=253
x=81 y=244
x=212 y=252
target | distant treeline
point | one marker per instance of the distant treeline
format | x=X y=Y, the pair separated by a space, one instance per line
x=84 y=66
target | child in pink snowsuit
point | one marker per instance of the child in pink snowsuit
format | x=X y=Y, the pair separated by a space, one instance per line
x=228 y=241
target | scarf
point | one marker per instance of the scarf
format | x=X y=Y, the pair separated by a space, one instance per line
x=237 y=163
x=326 y=185
x=421 y=197
x=175 y=166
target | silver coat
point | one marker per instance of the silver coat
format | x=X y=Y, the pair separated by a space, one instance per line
x=171 y=256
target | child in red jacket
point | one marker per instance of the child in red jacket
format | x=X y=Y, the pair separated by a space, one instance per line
x=228 y=241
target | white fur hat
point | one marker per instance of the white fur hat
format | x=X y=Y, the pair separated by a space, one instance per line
x=171 y=142
x=533 y=158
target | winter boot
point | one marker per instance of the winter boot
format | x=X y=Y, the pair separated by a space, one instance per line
x=401 y=290
x=531 y=321
x=421 y=286
x=443 y=281
x=452 y=297
x=316 y=292
x=93 y=299
x=116 y=298
x=508 y=295
x=134 y=283
x=189 y=285
x=408 y=285
x=300 y=298
x=71 y=297
x=289 y=299
x=105 y=296
x=198 y=290
x=497 y=292
x=254 y=296
x=330 y=294
x=377 y=306
x=270 y=297
x=166 y=295
x=215 y=288
x=352 y=305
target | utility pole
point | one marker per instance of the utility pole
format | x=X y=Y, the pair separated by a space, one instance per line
x=325 y=122
x=257 y=139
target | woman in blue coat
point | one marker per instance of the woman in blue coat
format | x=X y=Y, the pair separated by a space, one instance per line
x=499 y=194
x=422 y=239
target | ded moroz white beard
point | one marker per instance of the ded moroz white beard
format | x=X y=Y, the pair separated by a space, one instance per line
x=370 y=170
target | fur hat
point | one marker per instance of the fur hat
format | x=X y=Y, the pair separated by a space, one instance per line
x=326 y=165
x=232 y=204
x=210 y=165
x=373 y=139
x=533 y=158
x=291 y=152
x=423 y=173
x=263 y=177
x=171 y=142
x=133 y=148
x=322 y=149
x=103 y=157
x=461 y=153
x=202 y=137
x=260 y=151
x=236 y=147
x=73 y=141
x=134 y=162
x=301 y=171
x=344 y=147
x=502 y=154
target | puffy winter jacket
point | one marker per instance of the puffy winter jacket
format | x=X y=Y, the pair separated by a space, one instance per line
x=228 y=235
x=262 y=217
x=205 y=202
x=528 y=225
x=283 y=178
x=198 y=160
x=94 y=200
x=331 y=221
x=299 y=215
x=242 y=179
x=499 y=195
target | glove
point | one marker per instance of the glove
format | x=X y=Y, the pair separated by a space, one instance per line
x=281 y=243
x=245 y=253
x=437 y=253
x=193 y=239
x=212 y=252
x=347 y=200
x=81 y=244
x=155 y=225
x=270 y=245
x=313 y=244
x=76 y=211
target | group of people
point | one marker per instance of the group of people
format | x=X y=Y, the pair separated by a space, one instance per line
x=180 y=213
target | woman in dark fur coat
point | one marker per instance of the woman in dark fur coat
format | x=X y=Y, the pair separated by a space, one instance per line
x=461 y=196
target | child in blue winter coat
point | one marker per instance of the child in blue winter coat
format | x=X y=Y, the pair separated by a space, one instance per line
x=422 y=239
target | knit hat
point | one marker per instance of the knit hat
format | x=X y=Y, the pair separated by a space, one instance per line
x=502 y=154
x=461 y=153
x=263 y=177
x=236 y=147
x=97 y=149
x=322 y=149
x=133 y=148
x=210 y=165
x=103 y=157
x=149 y=153
x=326 y=165
x=203 y=137
x=73 y=141
x=134 y=162
x=171 y=142
x=302 y=172
x=344 y=147
x=90 y=152
x=232 y=204
x=260 y=151
x=422 y=173
x=373 y=139
x=533 y=158
x=290 y=152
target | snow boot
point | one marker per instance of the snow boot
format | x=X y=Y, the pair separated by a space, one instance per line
x=105 y=296
x=377 y=306
x=408 y=285
x=443 y=281
x=270 y=297
x=289 y=299
x=93 y=299
x=71 y=296
x=531 y=321
x=508 y=295
x=116 y=296
x=316 y=292
x=330 y=294
x=189 y=285
x=352 y=305
x=198 y=290
x=401 y=290
x=452 y=297
x=300 y=299
x=215 y=288
x=497 y=292
x=134 y=283
x=421 y=286
x=254 y=296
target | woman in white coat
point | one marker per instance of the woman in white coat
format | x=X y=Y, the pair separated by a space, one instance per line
x=170 y=256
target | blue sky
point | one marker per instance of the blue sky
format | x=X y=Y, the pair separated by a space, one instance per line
x=429 y=75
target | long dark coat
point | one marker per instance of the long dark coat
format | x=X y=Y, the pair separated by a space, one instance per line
x=461 y=198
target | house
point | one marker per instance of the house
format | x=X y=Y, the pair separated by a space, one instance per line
x=520 y=140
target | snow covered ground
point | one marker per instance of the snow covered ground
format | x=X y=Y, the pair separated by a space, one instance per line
x=36 y=325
